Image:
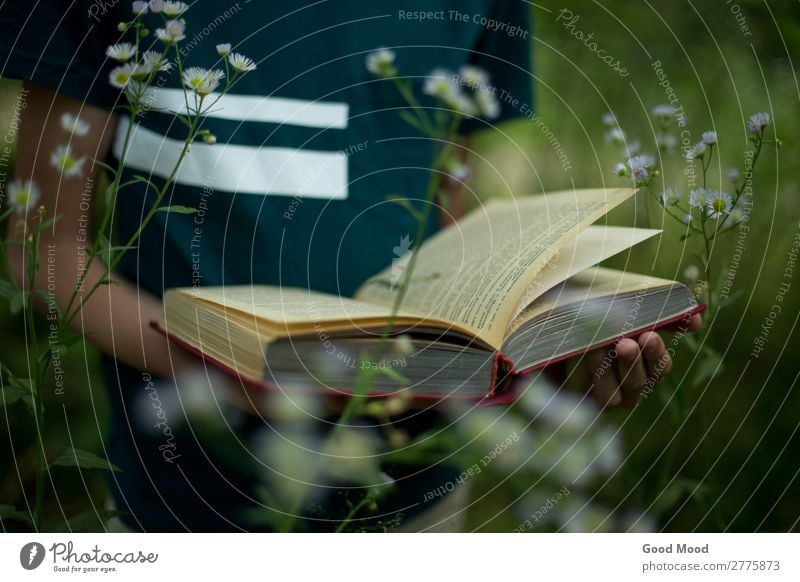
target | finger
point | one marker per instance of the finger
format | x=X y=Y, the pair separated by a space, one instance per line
x=605 y=387
x=690 y=325
x=632 y=372
x=654 y=353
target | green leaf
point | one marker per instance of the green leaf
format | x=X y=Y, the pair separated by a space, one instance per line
x=405 y=203
x=105 y=166
x=177 y=209
x=11 y=394
x=710 y=367
x=106 y=251
x=41 y=227
x=50 y=301
x=678 y=489
x=17 y=301
x=79 y=458
x=730 y=299
x=90 y=520
x=7 y=289
x=69 y=339
x=12 y=513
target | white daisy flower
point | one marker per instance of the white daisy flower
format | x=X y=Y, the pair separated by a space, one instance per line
x=474 y=77
x=643 y=161
x=691 y=273
x=381 y=62
x=202 y=81
x=440 y=84
x=488 y=105
x=403 y=344
x=559 y=409
x=733 y=174
x=155 y=61
x=174 y=9
x=663 y=111
x=620 y=169
x=632 y=148
x=139 y=7
x=22 y=195
x=352 y=455
x=64 y=161
x=120 y=76
x=736 y=216
x=609 y=119
x=462 y=104
x=709 y=137
x=719 y=204
x=699 y=197
x=73 y=125
x=615 y=136
x=698 y=150
x=458 y=172
x=224 y=49
x=172 y=33
x=667 y=141
x=640 y=166
x=670 y=197
x=241 y=63
x=122 y=52
x=686 y=218
x=757 y=122
x=157 y=6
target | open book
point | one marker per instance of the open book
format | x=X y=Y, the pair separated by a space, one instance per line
x=506 y=290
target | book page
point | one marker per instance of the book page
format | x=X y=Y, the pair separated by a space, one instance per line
x=593 y=283
x=283 y=310
x=475 y=272
x=592 y=246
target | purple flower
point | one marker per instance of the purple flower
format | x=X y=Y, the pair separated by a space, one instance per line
x=663 y=111
x=609 y=119
x=757 y=123
x=709 y=137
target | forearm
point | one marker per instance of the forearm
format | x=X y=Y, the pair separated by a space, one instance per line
x=116 y=318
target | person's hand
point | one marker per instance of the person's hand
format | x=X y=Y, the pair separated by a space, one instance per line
x=623 y=374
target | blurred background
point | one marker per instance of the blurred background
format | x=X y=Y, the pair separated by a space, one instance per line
x=733 y=462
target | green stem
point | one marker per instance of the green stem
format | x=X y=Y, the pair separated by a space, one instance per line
x=364 y=379
x=35 y=369
x=105 y=222
x=368 y=498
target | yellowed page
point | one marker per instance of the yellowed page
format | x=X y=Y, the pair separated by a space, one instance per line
x=590 y=284
x=279 y=311
x=475 y=272
x=592 y=246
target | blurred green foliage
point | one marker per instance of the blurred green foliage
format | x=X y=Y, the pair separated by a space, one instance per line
x=735 y=464
x=735 y=448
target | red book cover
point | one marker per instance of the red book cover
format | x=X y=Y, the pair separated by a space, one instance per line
x=501 y=390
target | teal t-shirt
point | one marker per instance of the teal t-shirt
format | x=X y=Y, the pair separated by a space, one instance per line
x=294 y=192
